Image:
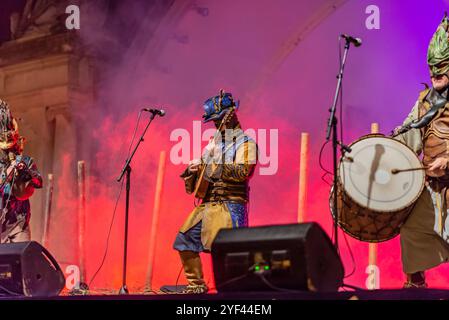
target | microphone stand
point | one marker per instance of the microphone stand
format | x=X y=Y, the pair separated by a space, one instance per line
x=332 y=130
x=127 y=170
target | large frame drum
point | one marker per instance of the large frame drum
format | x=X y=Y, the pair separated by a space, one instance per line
x=373 y=202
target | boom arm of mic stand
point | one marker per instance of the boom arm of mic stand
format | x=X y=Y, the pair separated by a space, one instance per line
x=128 y=161
x=337 y=93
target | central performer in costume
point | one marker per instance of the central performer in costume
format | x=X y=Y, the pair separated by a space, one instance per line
x=225 y=168
x=425 y=234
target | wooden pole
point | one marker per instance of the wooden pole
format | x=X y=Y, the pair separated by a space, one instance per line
x=374 y=127
x=303 y=175
x=372 y=257
x=154 y=220
x=81 y=219
x=47 y=210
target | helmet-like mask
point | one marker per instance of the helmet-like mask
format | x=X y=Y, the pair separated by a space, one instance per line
x=215 y=108
x=9 y=129
x=438 y=52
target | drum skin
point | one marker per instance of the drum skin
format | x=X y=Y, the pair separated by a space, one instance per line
x=372 y=202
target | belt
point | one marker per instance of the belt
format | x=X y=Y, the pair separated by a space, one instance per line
x=227 y=192
x=230 y=198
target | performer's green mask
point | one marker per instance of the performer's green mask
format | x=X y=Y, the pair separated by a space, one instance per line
x=438 y=53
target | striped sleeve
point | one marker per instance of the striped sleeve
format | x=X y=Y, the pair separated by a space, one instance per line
x=242 y=166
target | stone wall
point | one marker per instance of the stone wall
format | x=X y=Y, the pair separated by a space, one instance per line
x=48 y=82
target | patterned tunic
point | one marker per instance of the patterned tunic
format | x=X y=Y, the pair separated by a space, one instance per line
x=226 y=201
x=15 y=213
x=425 y=234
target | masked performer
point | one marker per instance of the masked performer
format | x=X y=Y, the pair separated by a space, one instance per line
x=228 y=161
x=19 y=178
x=425 y=234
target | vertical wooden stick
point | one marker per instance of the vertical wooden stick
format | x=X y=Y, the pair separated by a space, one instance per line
x=47 y=211
x=372 y=258
x=303 y=173
x=154 y=220
x=373 y=254
x=81 y=218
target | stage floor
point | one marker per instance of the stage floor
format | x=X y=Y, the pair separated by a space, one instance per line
x=400 y=294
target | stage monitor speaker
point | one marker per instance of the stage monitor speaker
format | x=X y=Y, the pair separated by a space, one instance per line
x=28 y=269
x=284 y=257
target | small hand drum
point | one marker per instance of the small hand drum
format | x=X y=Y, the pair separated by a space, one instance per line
x=373 y=201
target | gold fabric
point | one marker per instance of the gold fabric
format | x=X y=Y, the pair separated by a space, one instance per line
x=214 y=216
x=243 y=164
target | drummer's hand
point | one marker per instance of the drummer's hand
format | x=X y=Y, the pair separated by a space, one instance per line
x=18 y=166
x=396 y=130
x=437 y=167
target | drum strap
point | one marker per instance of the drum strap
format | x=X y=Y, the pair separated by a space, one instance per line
x=444 y=208
x=438 y=201
x=441 y=200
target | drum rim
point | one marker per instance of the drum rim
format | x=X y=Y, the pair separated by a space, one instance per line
x=357 y=237
x=379 y=135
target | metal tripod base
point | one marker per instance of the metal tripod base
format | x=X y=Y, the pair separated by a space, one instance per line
x=83 y=289
x=123 y=290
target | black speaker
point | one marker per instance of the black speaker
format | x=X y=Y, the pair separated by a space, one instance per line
x=27 y=268
x=284 y=257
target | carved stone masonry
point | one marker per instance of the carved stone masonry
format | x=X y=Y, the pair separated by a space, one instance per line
x=48 y=80
x=39 y=18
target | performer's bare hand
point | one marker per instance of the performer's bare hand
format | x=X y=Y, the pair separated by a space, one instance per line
x=396 y=130
x=210 y=148
x=194 y=165
x=437 y=167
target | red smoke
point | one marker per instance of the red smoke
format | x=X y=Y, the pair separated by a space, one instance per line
x=228 y=49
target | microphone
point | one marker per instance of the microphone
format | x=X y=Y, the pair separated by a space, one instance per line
x=344 y=147
x=158 y=112
x=357 y=42
x=12 y=157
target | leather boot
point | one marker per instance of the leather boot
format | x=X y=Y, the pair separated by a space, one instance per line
x=193 y=271
x=415 y=280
